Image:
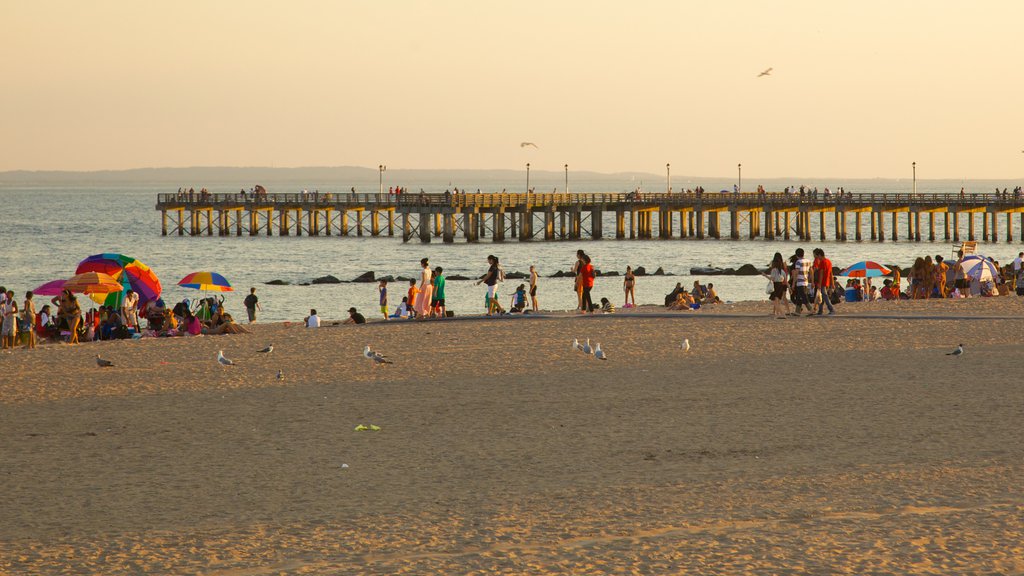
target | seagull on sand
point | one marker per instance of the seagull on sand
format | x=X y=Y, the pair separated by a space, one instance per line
x=525 y=144
x=222 y=360
x=103 y=363
x=266 y=350
x=958 y=352
x=586 y=348
x=767 y=72
x=598 y=353
x=377 y=357
x=280 y=374
x=576 y=344
x=685 y=345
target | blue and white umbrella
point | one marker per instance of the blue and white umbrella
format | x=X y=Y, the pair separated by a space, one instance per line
x=980 y=268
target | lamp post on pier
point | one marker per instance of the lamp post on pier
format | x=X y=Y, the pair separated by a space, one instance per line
x=739 y=177
x=527 y=181
x=914 y=166
x=380 y=170
x=668 y=178
x=566 y=178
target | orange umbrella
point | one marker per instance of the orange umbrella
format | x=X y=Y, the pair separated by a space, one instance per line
x=93 y=283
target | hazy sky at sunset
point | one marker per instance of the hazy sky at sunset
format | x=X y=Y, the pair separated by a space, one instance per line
x=859 y=89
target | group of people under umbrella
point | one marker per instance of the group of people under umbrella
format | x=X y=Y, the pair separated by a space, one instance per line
x=127 y=292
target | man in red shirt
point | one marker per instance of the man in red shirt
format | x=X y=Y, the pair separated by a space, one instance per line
x=823 y=281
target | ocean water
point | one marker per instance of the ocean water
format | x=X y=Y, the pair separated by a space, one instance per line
x=47 y=228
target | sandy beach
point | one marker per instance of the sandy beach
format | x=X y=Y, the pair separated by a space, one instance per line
x=850 y=444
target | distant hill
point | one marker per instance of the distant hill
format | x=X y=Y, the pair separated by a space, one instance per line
x=204 y=175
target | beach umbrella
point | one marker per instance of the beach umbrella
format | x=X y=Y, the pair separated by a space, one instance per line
x=131 y=273
x=866 y=269
x=92 y=283
x=51 y=288
x=207 y=282
x=978 y=267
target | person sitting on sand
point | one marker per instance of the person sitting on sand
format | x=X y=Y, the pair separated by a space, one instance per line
x=191 y=323
x=888 y=292
x=223 y=323
x=403 y=309
x=45 y=324
x=311 y=321
x=684 y=301
x=607 y=307
x=698 y=292
x=710 y=296
x=671 y=297
x=354 y=317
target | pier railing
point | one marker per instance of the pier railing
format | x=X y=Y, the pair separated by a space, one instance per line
x=519 y=200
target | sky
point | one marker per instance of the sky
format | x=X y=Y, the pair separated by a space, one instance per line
x=857 y=89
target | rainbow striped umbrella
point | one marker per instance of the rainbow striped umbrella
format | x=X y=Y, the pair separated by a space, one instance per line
x=206 y=281
x=132 y=274
x=866 y=269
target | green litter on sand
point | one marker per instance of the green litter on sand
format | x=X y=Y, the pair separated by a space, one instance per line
x=371 y=427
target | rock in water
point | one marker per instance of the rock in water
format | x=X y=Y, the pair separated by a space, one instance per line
x=365 y=277
x=326 y=280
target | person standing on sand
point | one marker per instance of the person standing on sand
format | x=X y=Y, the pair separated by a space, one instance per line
x=533 y=287
x=437 y=304
x=8 y=322
x=426 y=289
x=490 y=279
x=578 y=282
x=629 y=286
x=130 y=310
x=587 y=281
x=28 y=316
x=778 y=274
x=382 y=288
x=252 y=304
x=411 y=297
x=801 y=273
x=823 y=281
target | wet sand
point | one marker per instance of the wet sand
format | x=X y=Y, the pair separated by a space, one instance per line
x=835 y=445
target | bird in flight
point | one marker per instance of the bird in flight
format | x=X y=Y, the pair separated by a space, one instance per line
x=767 y=72
x=525 y=144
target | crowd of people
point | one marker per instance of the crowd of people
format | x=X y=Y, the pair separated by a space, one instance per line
x=64 y=320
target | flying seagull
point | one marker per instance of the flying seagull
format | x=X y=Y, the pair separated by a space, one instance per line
x=767 y=72
x=686 y=345
x=525 y=144
x=103 y=363
x=598 y=353
x=222 y=360
x=266 y=350
x=586 y=348
x=958 y=352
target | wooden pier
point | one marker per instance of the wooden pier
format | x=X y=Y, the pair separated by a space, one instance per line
x=528 y=217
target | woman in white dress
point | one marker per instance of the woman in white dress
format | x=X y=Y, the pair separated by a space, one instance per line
x=426 y=290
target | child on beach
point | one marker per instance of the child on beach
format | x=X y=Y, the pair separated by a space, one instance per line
x=518 y=303
x=607 y=307
x=413 y=292
x=437 y=305
x=382 y=288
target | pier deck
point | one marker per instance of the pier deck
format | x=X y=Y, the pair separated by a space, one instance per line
x=575 y=216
